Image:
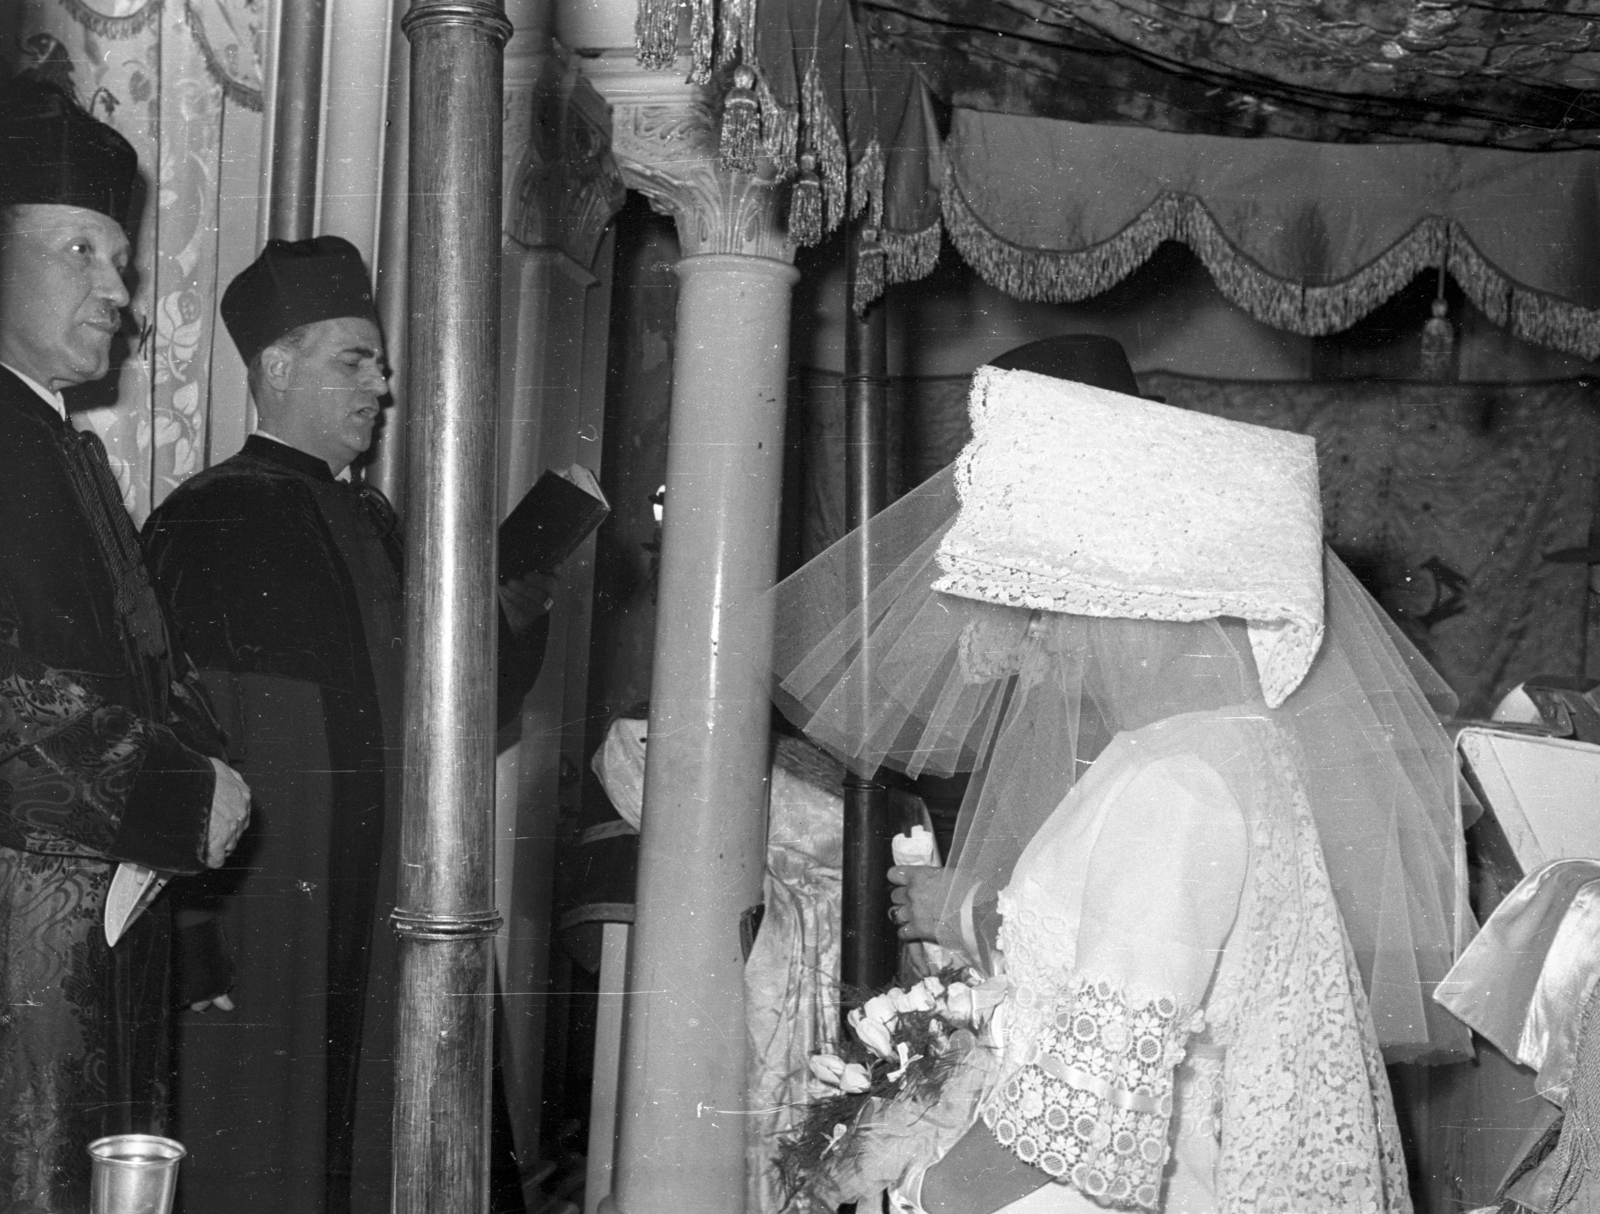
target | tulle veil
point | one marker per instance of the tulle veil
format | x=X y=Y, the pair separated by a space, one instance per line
x=925 y=682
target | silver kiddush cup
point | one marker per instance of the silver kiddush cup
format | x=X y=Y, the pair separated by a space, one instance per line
x=133 y=1174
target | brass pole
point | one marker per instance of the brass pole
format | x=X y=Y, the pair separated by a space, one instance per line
x=446 y=916
x=867 y=946
x=296 y=119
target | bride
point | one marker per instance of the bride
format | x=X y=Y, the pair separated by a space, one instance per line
x=1208 y=837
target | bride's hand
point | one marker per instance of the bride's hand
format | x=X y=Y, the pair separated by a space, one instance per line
x=917 y=899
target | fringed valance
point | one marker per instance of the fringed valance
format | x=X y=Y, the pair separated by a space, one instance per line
x=1305 y=237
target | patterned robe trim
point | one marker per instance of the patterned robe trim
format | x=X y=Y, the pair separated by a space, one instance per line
x=1092 y=1107
x=93 y=481
x=62 y=751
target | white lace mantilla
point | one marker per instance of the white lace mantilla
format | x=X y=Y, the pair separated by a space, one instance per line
x=1309 y=1122
x=1078 y=500
x=1278 y=1067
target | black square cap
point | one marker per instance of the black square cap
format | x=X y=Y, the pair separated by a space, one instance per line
x=53 y=152
x=294 y=283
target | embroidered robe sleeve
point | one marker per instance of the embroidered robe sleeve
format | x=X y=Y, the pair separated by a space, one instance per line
x=82 y=777
x=1092 y=1104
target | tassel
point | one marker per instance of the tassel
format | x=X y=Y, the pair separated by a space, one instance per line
x=805 y=204
x=741 y=123
x=1439 y=339
x=655 y=34
x=871 y=271
x=702 y=38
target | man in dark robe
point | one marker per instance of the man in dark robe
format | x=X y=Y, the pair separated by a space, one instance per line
x=285 y=582
x=104 y=737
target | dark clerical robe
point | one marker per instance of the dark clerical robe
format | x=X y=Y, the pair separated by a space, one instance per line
x=102 y=759
x=285 y=584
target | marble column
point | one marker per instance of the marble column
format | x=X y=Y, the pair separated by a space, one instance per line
x=681 y=1132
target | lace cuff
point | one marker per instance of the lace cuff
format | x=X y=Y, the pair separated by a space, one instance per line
x=1092 y=1105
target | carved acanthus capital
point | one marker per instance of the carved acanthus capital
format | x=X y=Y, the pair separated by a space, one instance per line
x=566 y=187
x=664 y=137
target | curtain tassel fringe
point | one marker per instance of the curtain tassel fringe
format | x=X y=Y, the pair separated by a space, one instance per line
x=871 y=271
x=741 y=123
x=1439 y=340
x=805 y=203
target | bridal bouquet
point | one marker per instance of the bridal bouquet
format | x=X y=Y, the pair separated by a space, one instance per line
x=900 y=1093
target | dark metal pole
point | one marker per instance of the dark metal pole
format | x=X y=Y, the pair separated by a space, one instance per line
x=297 y=116
x=868 y=941
x=446 y=916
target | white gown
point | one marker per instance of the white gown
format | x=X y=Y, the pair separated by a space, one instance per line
x=1186 y=1030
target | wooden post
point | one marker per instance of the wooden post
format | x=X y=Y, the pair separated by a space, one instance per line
x=297 y=119
x=868 y=942
x=445 y=917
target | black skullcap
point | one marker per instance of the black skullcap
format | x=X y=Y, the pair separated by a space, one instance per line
x=52 y=152
x=294 y=283
x=1085 y=358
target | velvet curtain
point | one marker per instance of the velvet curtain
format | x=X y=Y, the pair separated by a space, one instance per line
x=181 y=79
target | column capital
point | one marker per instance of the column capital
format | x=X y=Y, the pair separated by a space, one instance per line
x=664 y=137
x=563 y=185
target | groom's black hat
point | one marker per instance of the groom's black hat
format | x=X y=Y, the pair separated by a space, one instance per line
x=1085 y=358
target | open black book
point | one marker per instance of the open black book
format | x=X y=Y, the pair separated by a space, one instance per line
x=550 y=521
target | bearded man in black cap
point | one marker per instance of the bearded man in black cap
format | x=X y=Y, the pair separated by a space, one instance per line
x=104 y=734
x=285 y=583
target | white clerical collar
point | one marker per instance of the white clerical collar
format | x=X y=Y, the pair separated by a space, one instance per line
x=53 y=399
x=342 y=475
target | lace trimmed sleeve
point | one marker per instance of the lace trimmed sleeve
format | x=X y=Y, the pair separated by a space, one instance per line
x=1089 y=1099
x=1093 y=1106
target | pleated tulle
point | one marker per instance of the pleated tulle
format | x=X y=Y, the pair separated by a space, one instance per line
x=924 y=682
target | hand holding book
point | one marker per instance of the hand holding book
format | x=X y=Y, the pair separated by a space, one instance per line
x=549 y=523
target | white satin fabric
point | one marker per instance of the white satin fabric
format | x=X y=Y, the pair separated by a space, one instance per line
x=1524 y=980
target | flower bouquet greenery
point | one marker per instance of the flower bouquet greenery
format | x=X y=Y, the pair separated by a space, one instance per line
x=897 y=1096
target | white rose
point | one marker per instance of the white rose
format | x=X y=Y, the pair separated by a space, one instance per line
x=872 y=1033
x=918 y=1000
x=855 y=1078
x=882 y=1009
x=958 y=1001
x=829 y=1068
